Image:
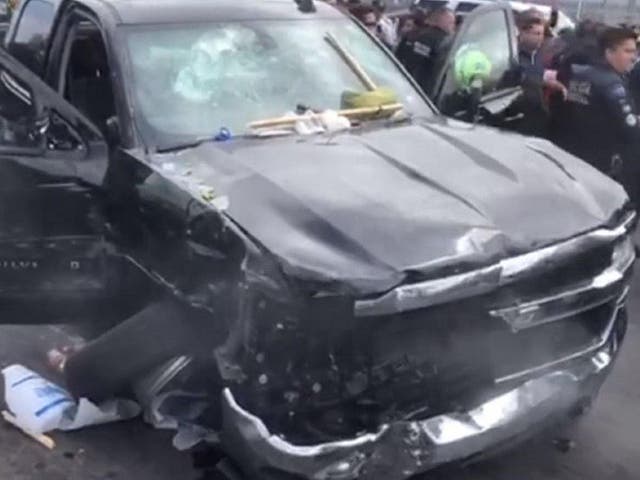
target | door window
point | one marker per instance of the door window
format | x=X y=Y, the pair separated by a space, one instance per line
x=86 y=77
x=482 y=56
x=35 y=120
x=29 y=44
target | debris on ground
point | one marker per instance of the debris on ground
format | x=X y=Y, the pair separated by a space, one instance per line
x=39 y=406
x=181 y=411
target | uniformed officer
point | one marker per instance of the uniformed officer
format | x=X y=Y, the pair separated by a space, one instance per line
x=634 y=83
x=420 y=50
x=599 y=120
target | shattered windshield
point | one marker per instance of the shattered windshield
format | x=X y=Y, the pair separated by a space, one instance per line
x=192 y=80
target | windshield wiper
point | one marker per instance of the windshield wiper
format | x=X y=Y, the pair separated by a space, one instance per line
x=182 y=146
x=288 y=121
x=222 y=136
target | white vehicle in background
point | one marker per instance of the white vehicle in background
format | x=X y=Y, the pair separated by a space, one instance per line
x=564 y=21
x=463 y=7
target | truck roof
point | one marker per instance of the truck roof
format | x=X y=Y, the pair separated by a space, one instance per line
x=187 y=11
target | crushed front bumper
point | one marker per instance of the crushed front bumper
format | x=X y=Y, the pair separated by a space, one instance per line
x=401 y=449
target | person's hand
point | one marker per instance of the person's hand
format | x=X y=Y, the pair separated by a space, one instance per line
x=550 y=81
x=549 y=76
x=557 y=86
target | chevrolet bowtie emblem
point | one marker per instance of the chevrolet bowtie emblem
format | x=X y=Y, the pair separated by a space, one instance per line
x=519 y=317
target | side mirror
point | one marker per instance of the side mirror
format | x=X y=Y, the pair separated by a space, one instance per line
x=24 y=122
x=16 y=100
x=474 y=100
x=113 y=133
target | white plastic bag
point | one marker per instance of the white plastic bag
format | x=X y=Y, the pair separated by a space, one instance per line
x=40 y=406
x=328 y=121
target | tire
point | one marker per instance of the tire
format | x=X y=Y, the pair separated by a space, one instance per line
x=110 y=363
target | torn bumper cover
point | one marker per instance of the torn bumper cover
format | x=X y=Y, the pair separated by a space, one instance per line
x=401 y=449
x=514 y=408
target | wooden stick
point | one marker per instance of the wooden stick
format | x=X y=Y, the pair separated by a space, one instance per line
x=354 y=65
x=378 y=109
x=41 y=439
x=352 y=112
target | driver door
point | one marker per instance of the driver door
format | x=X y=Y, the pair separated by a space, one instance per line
x=54 y=259
x=488 y=33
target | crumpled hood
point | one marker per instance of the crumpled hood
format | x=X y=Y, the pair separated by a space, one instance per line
x=366 y=209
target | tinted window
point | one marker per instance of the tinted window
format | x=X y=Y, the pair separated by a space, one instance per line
x=30 y=40
x=87 y=77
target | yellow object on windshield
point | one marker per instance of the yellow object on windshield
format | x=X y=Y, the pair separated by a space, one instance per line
x=373 y=98
x=377 y=111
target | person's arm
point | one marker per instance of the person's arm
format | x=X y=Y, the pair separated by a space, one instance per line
x=535 y=75
x=551 y=82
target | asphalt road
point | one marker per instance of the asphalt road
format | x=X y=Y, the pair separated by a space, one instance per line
x=607 y=442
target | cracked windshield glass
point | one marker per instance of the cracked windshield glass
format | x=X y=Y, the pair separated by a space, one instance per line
x=229 y=74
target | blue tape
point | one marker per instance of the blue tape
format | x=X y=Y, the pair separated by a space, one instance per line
x=53 y=404
x=25 y=379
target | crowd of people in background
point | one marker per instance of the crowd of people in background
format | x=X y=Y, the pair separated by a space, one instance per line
x=581 y=88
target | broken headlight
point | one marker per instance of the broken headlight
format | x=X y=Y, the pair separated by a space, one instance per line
x=624 y=254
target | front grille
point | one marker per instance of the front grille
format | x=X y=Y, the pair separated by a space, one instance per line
x=535 y=347
x=580 y=267
x=337 y=371
x=463 y=348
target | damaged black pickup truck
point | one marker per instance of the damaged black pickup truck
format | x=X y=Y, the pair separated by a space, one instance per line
x=251 y=196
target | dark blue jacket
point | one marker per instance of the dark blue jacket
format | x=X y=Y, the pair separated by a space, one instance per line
x=531 y=65
x=420 y=52
x=634 y=84
x=600 y=123
x=531 y=105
